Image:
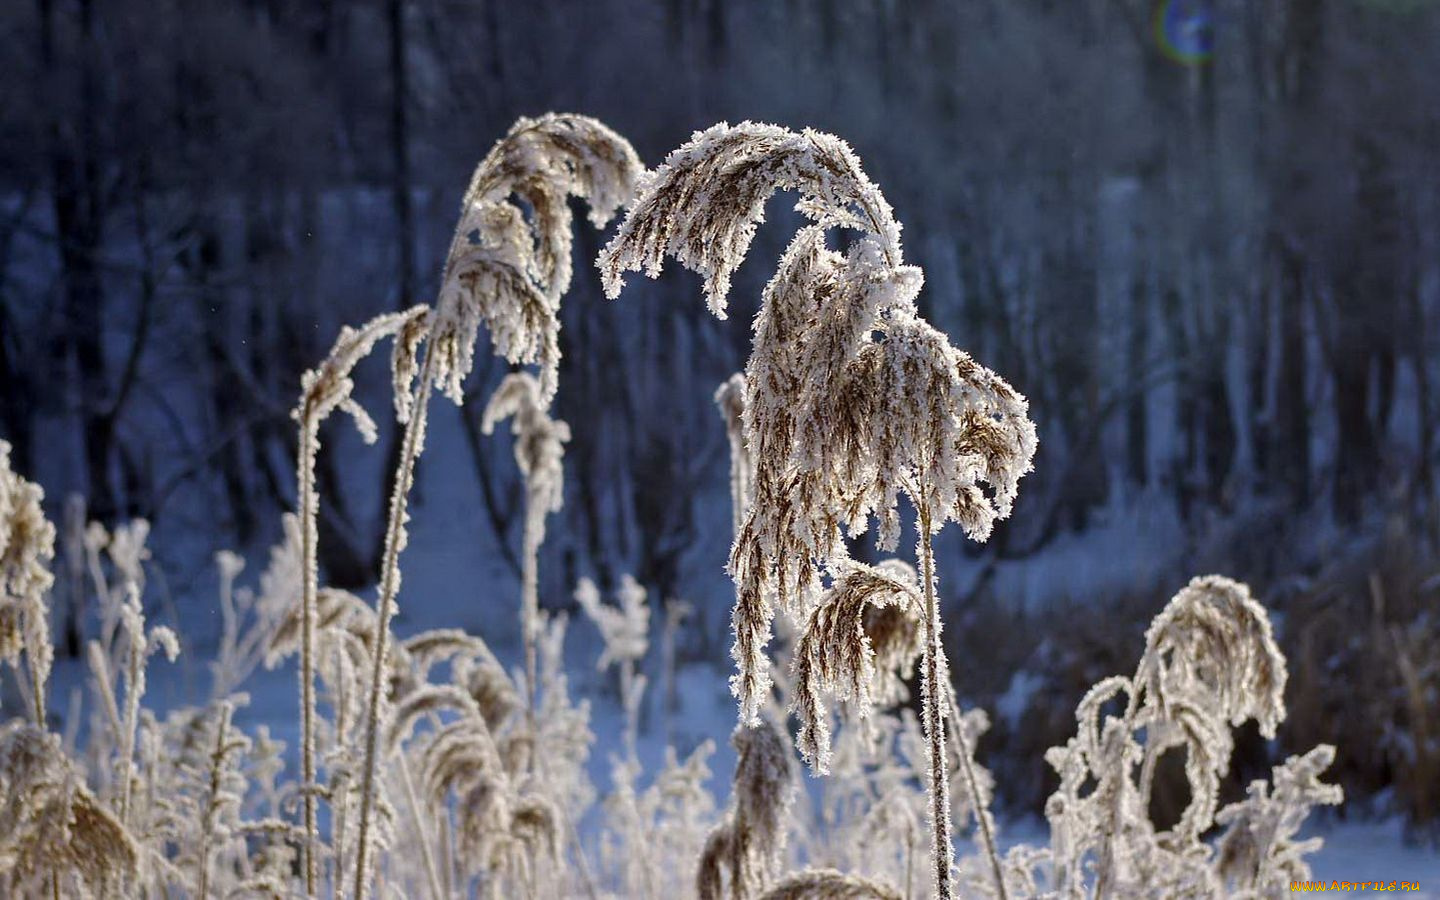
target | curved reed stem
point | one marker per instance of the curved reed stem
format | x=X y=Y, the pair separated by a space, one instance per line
x=389 y=587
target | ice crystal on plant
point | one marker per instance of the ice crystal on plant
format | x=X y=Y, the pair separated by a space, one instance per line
x=50 y=823
x=509 y=273
x=742 y=854
x=1258 y=851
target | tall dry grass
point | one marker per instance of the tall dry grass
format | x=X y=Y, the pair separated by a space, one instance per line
x=429 y=769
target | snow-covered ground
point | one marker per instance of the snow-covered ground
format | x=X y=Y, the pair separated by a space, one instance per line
x=1376 y=851
x=1354 y=851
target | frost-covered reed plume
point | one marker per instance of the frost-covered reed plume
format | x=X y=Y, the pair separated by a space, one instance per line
x=53 y=830
x=27 y=545
x=508 y=272
x=866 y=630
x=1210 y=664
x=828 y=884
x=743 y=852
x=539 y=454
x=625 y=629
x=851 y=398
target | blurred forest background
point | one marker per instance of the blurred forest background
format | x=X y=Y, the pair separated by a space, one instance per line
x=1201 y=237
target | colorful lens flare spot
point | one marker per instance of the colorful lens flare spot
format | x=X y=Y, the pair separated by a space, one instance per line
x=1185 y=30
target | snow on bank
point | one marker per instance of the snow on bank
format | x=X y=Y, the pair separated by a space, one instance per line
x=1375 y=851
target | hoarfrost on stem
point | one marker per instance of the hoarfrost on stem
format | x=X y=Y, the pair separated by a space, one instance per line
x=509 y=273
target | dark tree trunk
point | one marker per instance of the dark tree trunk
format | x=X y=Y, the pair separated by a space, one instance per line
x=1219 y=432
x=1356 y=453
x=1183 y=466
x=1293 y=80
x=79 y=223
x=1290 y=438
x=1257 y=381
x=1362 y=341
x=1137 y=438
x=17 y=410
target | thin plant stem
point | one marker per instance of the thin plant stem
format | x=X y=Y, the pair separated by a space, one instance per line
x=447 y=851
x=309 y=588
x=431 y=871
x=586 y=878
x=338 y=831
x=134 y=672
x=530 y=614
x=632 y=712
x=909 y=859
x=1107 y=842
x=212 y=808
x=934 y=716
x=38 y=695
x=389 y=587
x=982 y=820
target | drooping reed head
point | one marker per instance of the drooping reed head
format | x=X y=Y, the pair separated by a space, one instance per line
x=1210 y=663
x=866 y=628
x=828 y=884
x=1214 y=643
x=539 y=440
x=329 y=386
x=742 y=853
x=509 y=261
x=27 y=539
x=50 y=823
x=851 y=398
x=702 y=205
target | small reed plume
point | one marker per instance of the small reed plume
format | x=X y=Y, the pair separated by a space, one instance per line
x=744 y=851
x=1210 y=664
x=539 y=454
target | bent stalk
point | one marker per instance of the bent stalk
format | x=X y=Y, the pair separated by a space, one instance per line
x=389 y=587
